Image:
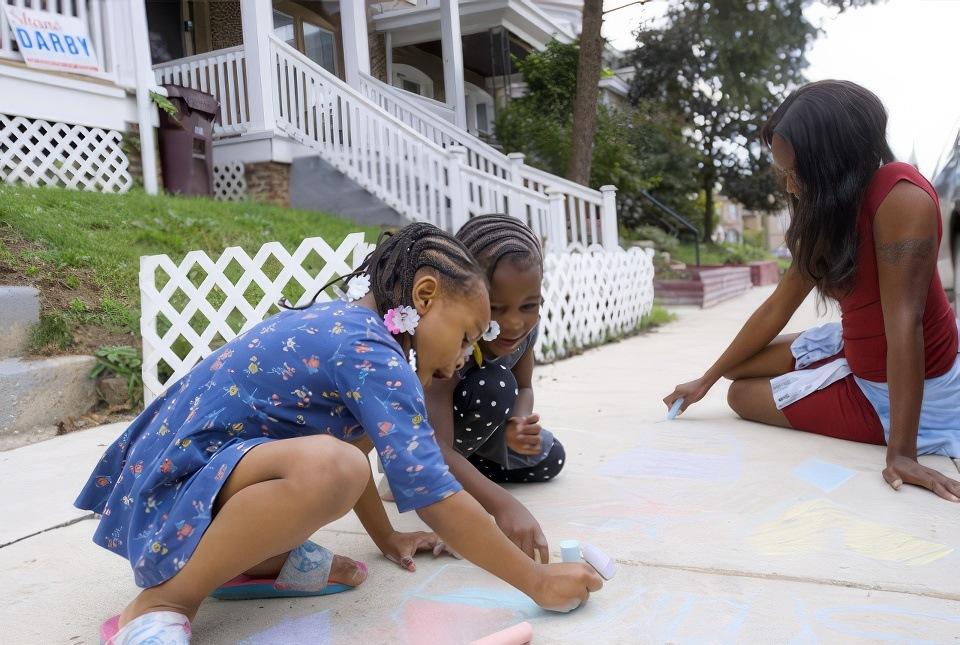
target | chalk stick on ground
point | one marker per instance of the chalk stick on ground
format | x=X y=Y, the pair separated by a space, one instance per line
x=600 y=561
x=674 y=410
x=570 y=551
x=517 y=635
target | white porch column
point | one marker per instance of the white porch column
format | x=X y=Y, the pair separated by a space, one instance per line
x=356 y=46
x=452 y=45
x=146 y=81
x=257 y=20
x=388 y=45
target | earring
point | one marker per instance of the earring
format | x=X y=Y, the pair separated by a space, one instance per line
x=493 y=330
x=402 y=320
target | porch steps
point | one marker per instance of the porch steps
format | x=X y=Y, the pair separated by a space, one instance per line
x=316 y=185
x=36 y=394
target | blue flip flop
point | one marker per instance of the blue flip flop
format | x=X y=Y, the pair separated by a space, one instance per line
x=305 y=573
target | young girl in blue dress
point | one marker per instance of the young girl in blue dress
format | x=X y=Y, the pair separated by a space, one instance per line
x=232 y=469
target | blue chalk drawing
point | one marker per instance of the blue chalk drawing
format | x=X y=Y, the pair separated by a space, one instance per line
x=823 y=474
x=650 y=462
x=312 y=628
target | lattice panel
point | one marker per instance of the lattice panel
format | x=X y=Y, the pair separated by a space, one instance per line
x=40 y=153
x=191 y=308
x=230 y=182
x=591 y=296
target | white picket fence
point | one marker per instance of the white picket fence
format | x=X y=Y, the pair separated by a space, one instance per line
x=190 y=308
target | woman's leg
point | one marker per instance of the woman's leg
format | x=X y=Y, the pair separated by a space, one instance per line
x=752 y=399
x=276 y=497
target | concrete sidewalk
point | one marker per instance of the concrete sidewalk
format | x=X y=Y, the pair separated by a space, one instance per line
x=725 y=531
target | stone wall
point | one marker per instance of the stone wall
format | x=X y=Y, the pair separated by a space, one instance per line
x=226 y=28
x=378 y=57
x=269 y=182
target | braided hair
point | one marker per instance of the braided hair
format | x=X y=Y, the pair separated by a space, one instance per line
x=394 y=263
x=491 y=238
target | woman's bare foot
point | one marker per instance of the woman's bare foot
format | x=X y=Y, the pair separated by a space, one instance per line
x=347 y=571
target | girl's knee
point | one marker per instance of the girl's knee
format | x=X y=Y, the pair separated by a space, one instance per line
x=324 y=464
x=737 y=396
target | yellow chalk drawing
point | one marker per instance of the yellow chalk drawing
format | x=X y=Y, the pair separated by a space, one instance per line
x=806 y=528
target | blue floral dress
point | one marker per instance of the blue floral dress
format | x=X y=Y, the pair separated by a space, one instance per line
x=330 y=369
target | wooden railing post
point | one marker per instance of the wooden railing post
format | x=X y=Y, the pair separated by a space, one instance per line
x=457 y=187
x=609 y=232
x=557 y=239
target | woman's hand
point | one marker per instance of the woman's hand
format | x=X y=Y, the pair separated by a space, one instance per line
x=401 y=547
x=905 y=470
x=523 y=435
x=690 y=393
x=564 y=586
x=518 y=524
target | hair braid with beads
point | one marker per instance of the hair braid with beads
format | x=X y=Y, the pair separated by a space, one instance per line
x=491 y=238
x=394 y=263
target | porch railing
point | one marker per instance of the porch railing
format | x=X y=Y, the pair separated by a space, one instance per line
x=222 y=73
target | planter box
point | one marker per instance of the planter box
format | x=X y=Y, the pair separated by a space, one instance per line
x=764 y=272
x=706 y=287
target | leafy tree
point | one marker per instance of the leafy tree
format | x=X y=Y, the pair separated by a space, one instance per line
x=725 y=65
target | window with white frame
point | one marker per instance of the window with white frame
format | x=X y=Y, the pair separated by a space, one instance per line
x=480 y=109
x=411 y=79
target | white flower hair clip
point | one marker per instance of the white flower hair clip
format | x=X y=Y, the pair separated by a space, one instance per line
x=493 y=331
x=357 y=287
x=402 y=320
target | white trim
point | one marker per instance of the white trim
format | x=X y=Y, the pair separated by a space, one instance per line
x=258 y=147
x=521 y=17
x=356 y=46
x=476 y=95
x=452 y=45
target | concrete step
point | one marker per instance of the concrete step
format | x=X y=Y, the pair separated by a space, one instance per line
x=19 y=312
x=317 y=185
x=36 y=395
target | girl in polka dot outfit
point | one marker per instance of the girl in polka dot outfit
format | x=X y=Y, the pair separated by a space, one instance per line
x=484 y=417
x=264 y=442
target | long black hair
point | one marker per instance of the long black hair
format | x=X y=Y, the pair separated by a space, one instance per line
x=838 y=131
x=491 y=238
x=394 y=263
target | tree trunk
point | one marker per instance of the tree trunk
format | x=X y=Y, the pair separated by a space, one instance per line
x=708 y=184
x=588 y=84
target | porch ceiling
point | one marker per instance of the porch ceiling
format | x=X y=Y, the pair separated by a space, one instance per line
x=520 y=17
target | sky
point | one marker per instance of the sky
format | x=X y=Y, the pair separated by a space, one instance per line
x=905 y=51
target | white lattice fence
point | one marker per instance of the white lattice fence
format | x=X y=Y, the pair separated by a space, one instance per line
x=591 y=296
x=191 y=308
x=40 y=153
x=229 y=182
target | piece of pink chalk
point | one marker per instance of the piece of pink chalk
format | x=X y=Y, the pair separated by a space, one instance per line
x=516 y=635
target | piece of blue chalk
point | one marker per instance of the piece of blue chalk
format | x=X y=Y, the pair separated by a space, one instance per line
x=674 y=410
x=570 y=551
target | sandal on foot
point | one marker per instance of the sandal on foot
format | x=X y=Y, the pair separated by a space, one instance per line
x=305 y=573
x=155 y=627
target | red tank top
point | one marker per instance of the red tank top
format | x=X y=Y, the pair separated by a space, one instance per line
x=865 y=344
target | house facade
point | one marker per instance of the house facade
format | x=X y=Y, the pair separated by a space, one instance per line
x=379 y=111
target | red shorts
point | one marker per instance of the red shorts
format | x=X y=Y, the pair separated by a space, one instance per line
x=840 y=410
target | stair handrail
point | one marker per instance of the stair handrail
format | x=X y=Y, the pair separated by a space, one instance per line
x=680 y=219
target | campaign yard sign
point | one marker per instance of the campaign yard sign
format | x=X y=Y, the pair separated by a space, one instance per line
x=52 y=41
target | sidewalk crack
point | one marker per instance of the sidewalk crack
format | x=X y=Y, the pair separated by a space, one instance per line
x=52 y=528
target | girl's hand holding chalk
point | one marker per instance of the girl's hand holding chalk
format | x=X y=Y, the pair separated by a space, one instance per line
x=563 y=587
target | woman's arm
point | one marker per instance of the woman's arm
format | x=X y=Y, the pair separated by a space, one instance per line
x=905 y=238
x=512 y=517
x=762 y=327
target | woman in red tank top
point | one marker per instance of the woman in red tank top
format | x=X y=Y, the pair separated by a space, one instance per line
x=864 y=232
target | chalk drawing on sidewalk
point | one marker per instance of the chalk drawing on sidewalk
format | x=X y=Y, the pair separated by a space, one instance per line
x=312 y=628
x=809 y=527
x=823 y=474
x=666 y=464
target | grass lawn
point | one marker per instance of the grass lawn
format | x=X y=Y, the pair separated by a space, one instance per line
x=719 y=254
x=82 y=251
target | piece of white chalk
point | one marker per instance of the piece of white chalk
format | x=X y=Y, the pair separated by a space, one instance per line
x=600 y=561
x=516 y=635
x=674 y=410
x=570 y=551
